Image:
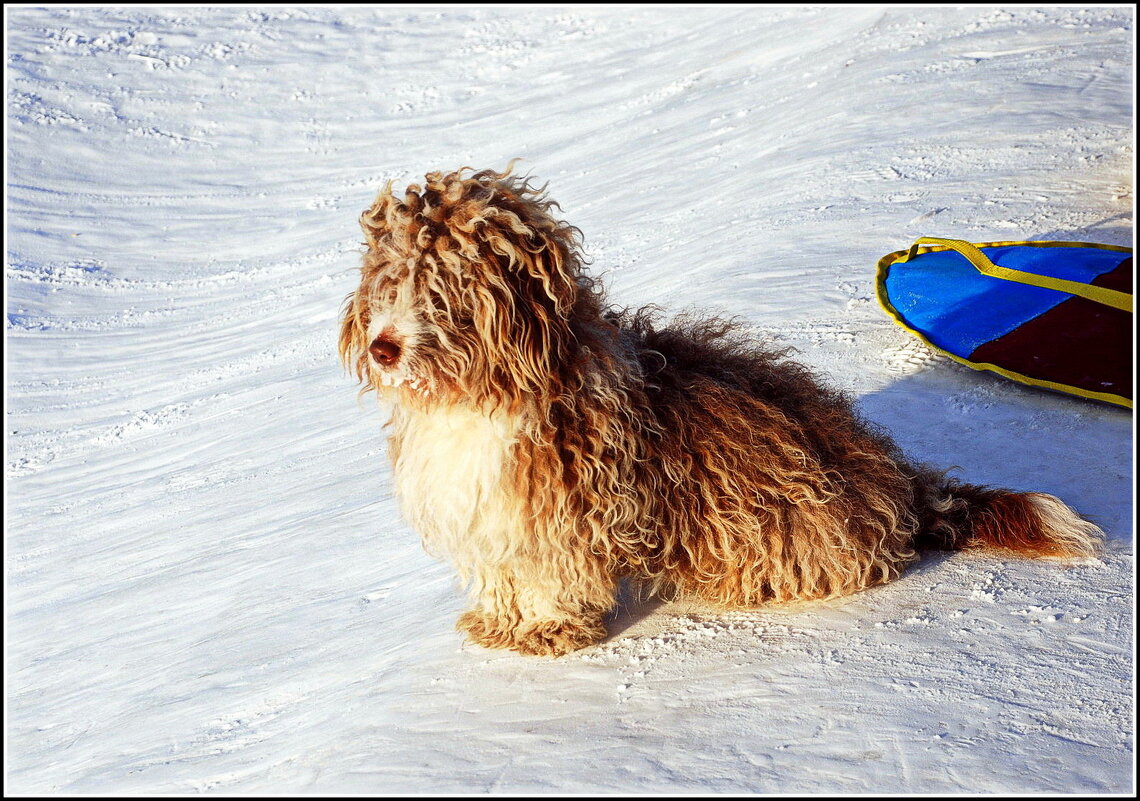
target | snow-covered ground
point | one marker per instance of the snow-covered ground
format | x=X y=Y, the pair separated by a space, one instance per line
x=209 y=587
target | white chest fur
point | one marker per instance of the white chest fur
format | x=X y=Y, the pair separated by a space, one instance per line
x=449 y=468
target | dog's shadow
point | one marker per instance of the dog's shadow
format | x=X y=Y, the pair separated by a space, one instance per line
x=633 y=604
x=988 y=430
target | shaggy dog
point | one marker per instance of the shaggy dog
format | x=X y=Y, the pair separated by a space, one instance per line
x=549 y=445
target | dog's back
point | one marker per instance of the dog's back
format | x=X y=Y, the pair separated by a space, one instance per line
x=779 y=490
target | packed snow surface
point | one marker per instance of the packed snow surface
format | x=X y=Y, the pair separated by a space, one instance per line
x=209 y=585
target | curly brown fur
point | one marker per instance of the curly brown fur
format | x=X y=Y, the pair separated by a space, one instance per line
x=549 y=446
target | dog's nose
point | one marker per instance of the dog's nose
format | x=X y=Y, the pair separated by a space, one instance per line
x=384 y=351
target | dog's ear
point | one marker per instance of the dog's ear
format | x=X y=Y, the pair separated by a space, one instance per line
x=531 y=272
x=540 y=254
x=352 y=344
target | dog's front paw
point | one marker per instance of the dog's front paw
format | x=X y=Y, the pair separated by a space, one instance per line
x=557 y=637
x=487 y=630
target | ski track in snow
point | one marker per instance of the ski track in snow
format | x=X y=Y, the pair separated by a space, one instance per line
x=209 y=587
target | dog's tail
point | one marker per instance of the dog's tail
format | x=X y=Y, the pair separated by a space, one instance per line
x=956 y=516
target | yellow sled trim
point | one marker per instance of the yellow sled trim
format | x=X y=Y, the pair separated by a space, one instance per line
x=1109 y=297
x=938 y=244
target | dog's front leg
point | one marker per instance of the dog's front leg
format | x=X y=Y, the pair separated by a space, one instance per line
x=525 y=605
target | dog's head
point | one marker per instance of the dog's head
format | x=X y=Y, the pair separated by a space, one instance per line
x=467 y=291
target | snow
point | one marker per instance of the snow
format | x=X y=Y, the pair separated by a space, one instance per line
x=209 y=587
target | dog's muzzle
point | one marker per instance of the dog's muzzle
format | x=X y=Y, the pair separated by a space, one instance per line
x=385 y=350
